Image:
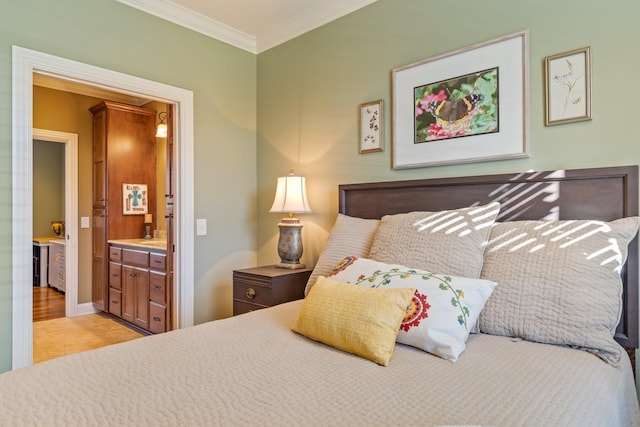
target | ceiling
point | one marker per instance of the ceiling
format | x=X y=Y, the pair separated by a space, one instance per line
x=252 y=25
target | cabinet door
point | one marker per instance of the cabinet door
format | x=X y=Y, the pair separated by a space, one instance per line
x=135 y=296
x=128 y=293
x=99 y=159
x=100 y=284
x=141 y=303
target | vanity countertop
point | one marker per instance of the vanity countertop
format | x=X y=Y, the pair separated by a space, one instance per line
x=46 y=240
x=142 y=243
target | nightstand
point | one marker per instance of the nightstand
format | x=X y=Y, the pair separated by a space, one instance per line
x=261 y=287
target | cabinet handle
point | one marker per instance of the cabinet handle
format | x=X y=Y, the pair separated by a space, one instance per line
x=157 y=287
x=114 y=302
x=157 y=319
x=251 y=293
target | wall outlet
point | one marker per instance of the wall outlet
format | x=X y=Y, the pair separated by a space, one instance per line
x=201 y=227
x=84 y=222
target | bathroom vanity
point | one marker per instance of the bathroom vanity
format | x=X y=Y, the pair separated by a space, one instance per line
x=139 y=291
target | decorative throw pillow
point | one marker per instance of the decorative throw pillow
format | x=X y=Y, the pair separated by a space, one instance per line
x=450 y=242
x=354 y=319
x=443 y=309
x=349 y=236
x=559 y=282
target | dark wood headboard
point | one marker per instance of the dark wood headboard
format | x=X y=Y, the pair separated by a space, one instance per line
x=601 y=194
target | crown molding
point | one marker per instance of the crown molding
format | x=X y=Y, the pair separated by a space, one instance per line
x=195 y=21
x=308 y=21
x=314 y=18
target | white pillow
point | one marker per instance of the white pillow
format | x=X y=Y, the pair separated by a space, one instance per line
x=349 y=236
x=450 y=242
x=559 y=282
x=443 y=310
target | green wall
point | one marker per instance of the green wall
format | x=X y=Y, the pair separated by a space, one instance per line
x=48 y=186
x=295 y=106
x=309 y=90
x=223 y=79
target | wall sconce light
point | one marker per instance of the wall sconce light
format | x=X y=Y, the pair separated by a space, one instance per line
x=161 y=132
x=291 y=197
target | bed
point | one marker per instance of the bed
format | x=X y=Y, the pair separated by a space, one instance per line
x=253 y=369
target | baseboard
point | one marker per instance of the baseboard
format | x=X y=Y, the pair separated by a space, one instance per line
x=86 y=308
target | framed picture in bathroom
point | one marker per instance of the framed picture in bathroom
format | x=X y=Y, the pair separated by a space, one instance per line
x=134 y=199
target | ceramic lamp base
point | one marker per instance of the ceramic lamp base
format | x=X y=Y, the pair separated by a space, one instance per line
x=290 y=244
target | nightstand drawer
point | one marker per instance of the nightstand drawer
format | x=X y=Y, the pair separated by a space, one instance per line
x=261 y=287
x=241 y=307
x=252 y=293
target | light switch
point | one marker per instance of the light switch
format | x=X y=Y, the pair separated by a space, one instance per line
x=201 y=227
x=84 y=222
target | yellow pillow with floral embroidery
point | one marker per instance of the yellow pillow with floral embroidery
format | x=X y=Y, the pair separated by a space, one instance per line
x=443 y=311
x=354 y=319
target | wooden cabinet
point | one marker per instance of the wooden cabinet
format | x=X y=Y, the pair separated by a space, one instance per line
x=57 y=276
x=261 y=287
x=138 y=289
x=124 y=151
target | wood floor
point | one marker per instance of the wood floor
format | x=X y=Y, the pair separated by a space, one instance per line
x=55 y=335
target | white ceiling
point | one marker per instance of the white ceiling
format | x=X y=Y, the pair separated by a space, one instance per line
x=252 y=25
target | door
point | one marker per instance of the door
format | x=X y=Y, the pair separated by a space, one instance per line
x=169 y=197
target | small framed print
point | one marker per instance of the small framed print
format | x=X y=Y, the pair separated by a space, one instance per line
x=370 y=136
x=568 y=87
x=134 y=199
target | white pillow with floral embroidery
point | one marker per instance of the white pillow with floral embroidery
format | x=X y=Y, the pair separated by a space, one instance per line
x=443 y=310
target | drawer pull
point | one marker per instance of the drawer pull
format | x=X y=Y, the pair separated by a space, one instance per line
x=157 y=287
x=157 y=319
x=251 y=293
x=114 y=302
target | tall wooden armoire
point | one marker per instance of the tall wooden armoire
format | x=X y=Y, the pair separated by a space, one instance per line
x=124 y=152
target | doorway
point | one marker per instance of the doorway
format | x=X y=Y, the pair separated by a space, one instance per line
x=70 y=141
x=25 y=63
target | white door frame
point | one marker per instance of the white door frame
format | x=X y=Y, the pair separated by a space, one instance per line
x=25 y=63
x=70 y=141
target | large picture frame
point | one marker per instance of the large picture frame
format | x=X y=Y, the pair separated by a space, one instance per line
x=568 y=87
x=469 y=105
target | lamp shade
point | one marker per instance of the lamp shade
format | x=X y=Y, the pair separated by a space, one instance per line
x=161 y=131
x=291 y=195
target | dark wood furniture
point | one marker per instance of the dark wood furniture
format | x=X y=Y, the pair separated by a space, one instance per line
x=600 y=194
x=138 y=288
x=261 y=287
x=124 y=151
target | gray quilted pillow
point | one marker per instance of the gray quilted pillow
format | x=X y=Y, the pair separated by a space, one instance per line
x=558 y=282
x=349 y=236
x=448 y=242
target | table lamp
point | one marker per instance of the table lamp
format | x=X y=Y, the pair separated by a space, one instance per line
x=291 y=197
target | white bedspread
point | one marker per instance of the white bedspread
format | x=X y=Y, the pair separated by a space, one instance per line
x=252 y=370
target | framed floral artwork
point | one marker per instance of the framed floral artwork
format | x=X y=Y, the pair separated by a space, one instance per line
x=464 y=106
x=134 y=199
x=370 y=135
x=568 y=87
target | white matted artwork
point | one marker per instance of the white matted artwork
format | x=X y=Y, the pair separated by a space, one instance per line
x=568 y=87
x=469 y=105
x=370 y=127
x=134 y=199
